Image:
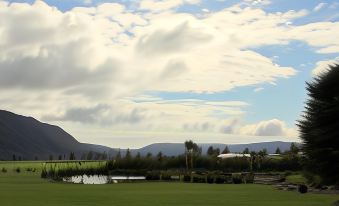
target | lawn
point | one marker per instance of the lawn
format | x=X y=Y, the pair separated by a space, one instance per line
x=27 y=188
x=296 y=179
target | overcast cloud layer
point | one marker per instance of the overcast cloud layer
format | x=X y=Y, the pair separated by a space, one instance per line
x=93 y=66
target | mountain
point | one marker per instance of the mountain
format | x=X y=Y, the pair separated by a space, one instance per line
x=28 y=138
x=172 y=149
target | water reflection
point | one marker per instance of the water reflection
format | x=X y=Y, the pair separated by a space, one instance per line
x=101 y=179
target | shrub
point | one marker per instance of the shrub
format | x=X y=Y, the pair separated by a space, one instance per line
x=336 y=203
x=152 y=176
x=43 y=173
x=4 y=170
x=187 y=178
x=302 y=188
x=249 y=178
x=199 y=179
x=210 y=179
x=18 y=170
x=237 y=178
x=219 y=179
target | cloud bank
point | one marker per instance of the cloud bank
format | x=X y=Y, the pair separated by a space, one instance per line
x=83 y=65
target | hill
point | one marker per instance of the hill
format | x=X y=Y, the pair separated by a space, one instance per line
x=27 y=138
x=172 y=149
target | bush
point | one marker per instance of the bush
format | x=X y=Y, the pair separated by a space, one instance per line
x=237 y=178
x=199 y=179
x=336 y=203
x=152 y=176
x=210 y=179
x=220 y=179
x=302 y=189
x=249 y=178
x=43 y=173
x=187 y=178
x=18 y=170
x=4 y=170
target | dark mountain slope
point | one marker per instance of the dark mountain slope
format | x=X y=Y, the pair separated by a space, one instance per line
x=28 y=138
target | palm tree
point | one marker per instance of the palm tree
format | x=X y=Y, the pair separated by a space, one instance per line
x=190 y=149
x=319 y=126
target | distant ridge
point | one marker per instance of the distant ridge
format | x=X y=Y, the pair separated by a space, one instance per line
x=172 y=149
x=28 y=138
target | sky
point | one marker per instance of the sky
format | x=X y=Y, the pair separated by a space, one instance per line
x=130 y=73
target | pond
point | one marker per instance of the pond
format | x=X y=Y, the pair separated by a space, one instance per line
x=101 y=179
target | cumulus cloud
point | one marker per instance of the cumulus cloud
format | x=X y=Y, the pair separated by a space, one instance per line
x=100 y=114
x=83 y=65
x=323 y=66
x=161 y=5
x=273 y=127
x=319 y=6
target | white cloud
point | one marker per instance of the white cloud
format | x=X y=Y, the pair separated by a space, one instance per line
x=273 y=127
x=87 y=2
x=163 y=5
x=258 y=89
x=319 y=6
x=323 y=66
x=55 y=64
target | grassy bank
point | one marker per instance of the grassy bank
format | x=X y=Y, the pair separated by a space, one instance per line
x=28 y=189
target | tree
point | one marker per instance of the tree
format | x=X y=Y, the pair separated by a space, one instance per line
x=118 y=156
x=191 y=148
x=89 y=155
x=319 y=126
x=50 y=157
x=160 y=156
x=246 y=151
x=294 y=149
x=210 y=151
x=128 y=154
x=149 y=155
x=277 y=151
x=226 y=150
x=72 y=156
x=14 y=158
x=138 y=156
x=213 y=152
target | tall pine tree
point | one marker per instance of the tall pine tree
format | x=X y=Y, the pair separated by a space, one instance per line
x=319 y=126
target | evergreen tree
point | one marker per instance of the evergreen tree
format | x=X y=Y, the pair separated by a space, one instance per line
x=89 y=155
x=246 y=151
x=294 y=149
x=72 y=156
x=149 y=155
x=160 y=156
x=118 y=156
x=277 y=151
x=210 y=151
x=128 y=154
x=319 y=126
x=226 y=150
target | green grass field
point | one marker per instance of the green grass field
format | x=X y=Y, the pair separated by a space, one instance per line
x=27 y=188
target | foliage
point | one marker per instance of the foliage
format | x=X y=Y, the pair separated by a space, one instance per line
x=302 y=188
x=319 y=126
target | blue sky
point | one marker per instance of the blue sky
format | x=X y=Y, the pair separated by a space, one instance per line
x=128 y=73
